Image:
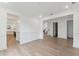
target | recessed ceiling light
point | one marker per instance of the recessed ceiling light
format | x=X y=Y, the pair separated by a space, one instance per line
x=66 y=6
x=40 y=16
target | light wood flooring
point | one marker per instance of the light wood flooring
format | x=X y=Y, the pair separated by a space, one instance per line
x=47 y=47
x=11 y=40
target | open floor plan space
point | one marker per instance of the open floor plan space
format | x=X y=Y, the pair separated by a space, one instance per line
x=39 y=29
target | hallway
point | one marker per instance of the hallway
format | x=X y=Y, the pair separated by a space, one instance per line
x=11 y=40
x=47 y=47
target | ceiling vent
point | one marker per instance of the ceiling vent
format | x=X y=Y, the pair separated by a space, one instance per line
x=73 y=2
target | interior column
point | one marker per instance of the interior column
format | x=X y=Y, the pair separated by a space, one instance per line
x=76 y=29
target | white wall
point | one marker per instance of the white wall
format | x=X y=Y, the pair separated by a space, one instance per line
x=31 y=29
x=3 y=22
x=45 y=25
x=50 y=28
x=62 y=26
x=62 y=29
x=76 y=29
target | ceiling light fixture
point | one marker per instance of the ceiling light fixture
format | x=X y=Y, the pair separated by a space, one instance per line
x=40 y=16
x=66 y=6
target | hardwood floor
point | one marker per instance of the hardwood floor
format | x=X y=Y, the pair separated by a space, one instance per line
x=47 y=47
x=10 y=40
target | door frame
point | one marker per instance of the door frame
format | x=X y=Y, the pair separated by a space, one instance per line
x=67 y=29
x=55 y=29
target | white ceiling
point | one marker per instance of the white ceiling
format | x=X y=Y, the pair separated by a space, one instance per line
x=35 y=9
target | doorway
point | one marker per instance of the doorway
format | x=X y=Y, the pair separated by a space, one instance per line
x=55 y=29
x=70 y=29
x=12 y=29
